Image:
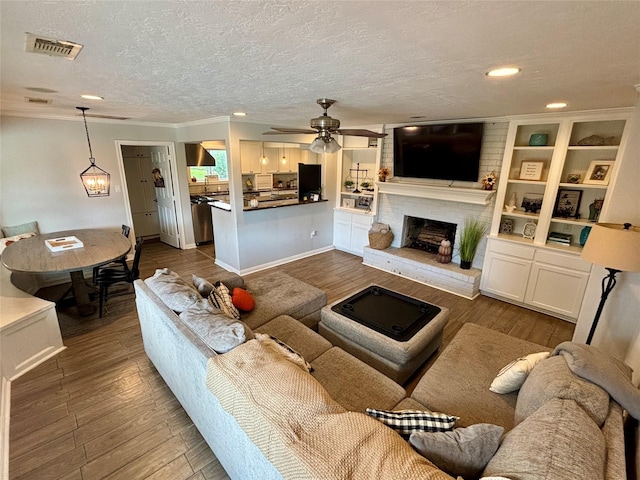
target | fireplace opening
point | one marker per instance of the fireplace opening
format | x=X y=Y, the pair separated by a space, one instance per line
x=426 y=234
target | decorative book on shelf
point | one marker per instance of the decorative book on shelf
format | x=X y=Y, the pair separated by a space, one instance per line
x=63 y=243
x=561 y=238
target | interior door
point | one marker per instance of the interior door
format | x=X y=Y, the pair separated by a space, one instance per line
x=165 y=196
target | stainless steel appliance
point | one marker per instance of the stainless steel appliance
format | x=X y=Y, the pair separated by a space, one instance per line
x=202 y=221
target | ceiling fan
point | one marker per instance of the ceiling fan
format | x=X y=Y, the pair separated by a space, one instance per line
x=324 y=126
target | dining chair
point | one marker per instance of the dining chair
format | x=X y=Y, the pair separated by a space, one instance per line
x=126 y=229
x=118 y=273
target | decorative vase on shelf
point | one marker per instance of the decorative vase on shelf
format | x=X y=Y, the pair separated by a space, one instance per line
x=465 y=265
x=584 y=234
x=513 y=200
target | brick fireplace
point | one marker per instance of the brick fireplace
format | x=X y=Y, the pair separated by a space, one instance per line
x=446 y=206
x=426 y=234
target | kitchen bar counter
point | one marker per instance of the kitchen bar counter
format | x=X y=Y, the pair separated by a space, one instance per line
x=280 y=203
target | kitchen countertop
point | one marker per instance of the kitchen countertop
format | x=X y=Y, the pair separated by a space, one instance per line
x=280 y=203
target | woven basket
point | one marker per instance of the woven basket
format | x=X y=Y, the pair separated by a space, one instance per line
x=380 y=241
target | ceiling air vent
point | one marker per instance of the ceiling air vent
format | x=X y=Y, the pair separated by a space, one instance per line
x=52 y=47
x=38 y=101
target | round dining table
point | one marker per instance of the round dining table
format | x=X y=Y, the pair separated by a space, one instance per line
x=100 y=246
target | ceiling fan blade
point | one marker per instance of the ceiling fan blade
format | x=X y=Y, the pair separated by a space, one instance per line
x=358 y=132
x=289 y=130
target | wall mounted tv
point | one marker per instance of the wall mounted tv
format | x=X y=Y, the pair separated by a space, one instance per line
x=446 y=152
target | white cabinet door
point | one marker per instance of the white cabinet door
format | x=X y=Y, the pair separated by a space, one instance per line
x=342 y=234
x=359 y=238
x=505 y=275
x=556 y=289
x=250 y=153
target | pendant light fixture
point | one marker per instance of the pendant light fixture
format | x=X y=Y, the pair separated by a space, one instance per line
x=283 y=160
x=263 y=160
x=95 y=180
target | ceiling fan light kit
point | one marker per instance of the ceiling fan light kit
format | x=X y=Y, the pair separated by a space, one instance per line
x=324 y=126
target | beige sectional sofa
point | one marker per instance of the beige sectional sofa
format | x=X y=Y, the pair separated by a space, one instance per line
x=265 y=417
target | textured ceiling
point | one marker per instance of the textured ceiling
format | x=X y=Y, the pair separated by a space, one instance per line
x=384 y=61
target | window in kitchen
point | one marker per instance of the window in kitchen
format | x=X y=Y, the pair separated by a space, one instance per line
x=220 y=169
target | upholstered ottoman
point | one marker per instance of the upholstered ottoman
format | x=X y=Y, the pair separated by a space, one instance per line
x=398 y=360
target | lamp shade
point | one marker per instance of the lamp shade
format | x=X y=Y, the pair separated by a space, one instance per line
x=615 y=246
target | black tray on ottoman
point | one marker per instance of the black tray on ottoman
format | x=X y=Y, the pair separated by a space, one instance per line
x=391 y=313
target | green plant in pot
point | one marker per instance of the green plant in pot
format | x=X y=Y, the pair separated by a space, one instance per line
x=349 y=184
x=472 y=233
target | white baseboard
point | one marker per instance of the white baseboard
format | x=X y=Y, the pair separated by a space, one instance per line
x=282 y=261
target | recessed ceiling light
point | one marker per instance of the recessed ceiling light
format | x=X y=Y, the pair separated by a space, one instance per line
x=92 y=97
x=502 y=72
x=239 y=114
x=556 y=105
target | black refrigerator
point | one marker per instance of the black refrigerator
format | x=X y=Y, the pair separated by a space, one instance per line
x=309 y=181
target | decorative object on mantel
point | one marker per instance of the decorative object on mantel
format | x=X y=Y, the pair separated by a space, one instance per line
x=444 y=252
x=383 y=173
x=489 y=180
x=380 y=236
x=95 y=180
x=472 y=233
x=617 y=248
x=596 y=141
x=595 y=208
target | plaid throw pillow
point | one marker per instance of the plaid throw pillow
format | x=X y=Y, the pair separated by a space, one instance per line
x=221 y=299
x=406 y=422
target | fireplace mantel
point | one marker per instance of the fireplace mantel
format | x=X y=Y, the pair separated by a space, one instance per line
x=453 y=194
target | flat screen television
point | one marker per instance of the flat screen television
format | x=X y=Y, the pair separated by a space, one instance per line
x=446 y=152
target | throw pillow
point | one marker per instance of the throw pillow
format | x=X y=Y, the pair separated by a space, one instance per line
x=513 y=375
x=5 y=242
x=176 y=294
x=285 y=350
x=221 y=299
x=242 y=300
x=31 y=227
x=213 y=327
x=462 y=451
x=406 y=422
x=203 y=286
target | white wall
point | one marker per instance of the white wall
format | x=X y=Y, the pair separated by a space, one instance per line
x=618 y=331
x=393 y=208
x=40 y=165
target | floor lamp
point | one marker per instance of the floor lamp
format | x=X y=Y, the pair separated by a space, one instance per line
x=617 y=248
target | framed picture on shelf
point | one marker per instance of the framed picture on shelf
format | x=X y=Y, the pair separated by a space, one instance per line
x=599 y=172
x=349 y=202
x=364 y=202
x=531 y=170
x=567 y=203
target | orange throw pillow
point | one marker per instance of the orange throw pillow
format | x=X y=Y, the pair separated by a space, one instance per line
x=242 y=300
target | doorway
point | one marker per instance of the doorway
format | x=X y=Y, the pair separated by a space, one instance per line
x=150 y=190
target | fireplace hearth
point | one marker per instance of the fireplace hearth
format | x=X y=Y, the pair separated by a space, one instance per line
x=426 y=234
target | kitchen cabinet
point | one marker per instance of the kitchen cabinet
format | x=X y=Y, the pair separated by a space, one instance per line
x=284 y=160
x=141 y=190
x=250 y=154
x=538 y=277
x=351 y=231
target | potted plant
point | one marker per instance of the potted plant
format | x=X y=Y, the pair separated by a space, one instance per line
x=473 y=231
x=365 y=185
x=349 y=184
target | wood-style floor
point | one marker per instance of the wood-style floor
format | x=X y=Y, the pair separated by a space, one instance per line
x=100 y=410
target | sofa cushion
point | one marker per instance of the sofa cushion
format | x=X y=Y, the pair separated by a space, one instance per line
x=299 y=337
x=273 y=343
x=479 y=353
x=230 y=279
x=214 y=328
x=277 y=293
x=462 y=451
x=30 y=227
x=559 y=441
x=552 y=379
x=176 y=294
x=353 y=383
x=513 y=375
x=300 y=429
x=406 y=422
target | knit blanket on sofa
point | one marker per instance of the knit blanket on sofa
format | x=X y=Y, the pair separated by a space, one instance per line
x=609 y=373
